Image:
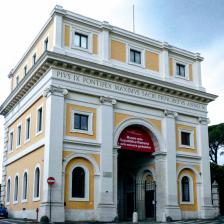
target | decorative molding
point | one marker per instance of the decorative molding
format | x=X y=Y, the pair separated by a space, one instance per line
x=204 y=120
x=55 y=90
x=109 y=100
x=171 y=114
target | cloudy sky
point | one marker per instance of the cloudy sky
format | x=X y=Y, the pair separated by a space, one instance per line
x=195 y=25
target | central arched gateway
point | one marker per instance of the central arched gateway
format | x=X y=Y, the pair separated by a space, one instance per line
x=136 y=180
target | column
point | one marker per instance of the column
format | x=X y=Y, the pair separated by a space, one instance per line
x=169 y=128
x=197 y=71
x=106 y=207
x=207 y=210
x=53 y=153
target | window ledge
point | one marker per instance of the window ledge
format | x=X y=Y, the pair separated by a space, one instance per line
x=88 y=132
x=24 y=201
x=36 y=199
x=78 y=199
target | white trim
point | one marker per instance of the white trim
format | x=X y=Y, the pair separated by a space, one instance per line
x=8 y=201
x=86 y=170
x=38 y=108
x=17 y=127
x=27 y=139
x=184 y=63
x=25 y=152
x=191 y=132
x=90 y=122
x=34 y=62
x=34 y=182
x=191 y=188
x=89 y=39
x=16 y=202
x=22 y=198
x=10 y=144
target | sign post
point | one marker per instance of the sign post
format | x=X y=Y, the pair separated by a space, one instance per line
x=51 y=182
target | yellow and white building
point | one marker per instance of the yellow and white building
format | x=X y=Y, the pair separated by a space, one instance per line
x=78 y=92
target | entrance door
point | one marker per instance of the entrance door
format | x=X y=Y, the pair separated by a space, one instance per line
x=149 y=204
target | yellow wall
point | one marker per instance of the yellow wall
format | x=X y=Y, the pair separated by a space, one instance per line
x=118 y=50
x=79 y=204
x=28 y=163
x=171 y=66
x=120 y=117
x=188 y=207
x=67 y=35
x=38 y=48
x=152 y=61
x=32 y=110
x=189 y=128
x=95 y=43
x=68 y=132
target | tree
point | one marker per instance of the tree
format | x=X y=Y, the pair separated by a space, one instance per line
x=216 y=141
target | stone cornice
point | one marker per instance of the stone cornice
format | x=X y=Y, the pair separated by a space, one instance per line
x=105 y=71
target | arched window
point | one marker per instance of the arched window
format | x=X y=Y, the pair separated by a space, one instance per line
x=185 y=187
x=25 y=186
x=78 y=182
x=8 y=191
x=16 y=188
x=37 y=183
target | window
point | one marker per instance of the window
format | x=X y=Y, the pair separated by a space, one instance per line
x=185 y=187
x=180 y=70
x=27 y=134
x=11 y=141
x=135 y=56
x=78 y=183
x=185 y=138
x=34 y=59
x=8 y=191
x=46 y=44
x=19 y=130
x=39 y=119
x=16 y=187
x=37 y=183
x=17 y=80
x=81 y=121
x=25 y=186
x=25 y=70
x=81 y=40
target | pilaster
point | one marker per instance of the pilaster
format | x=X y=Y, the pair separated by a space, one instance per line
x=53 y=153
x=207 y=209
x=106 y=207
x=165 y=61
x=169 y=130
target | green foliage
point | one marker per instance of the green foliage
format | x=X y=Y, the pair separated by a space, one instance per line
x=217 y=174
x=216 y=141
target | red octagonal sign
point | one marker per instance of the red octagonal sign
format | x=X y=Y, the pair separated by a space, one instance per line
x=50 y=180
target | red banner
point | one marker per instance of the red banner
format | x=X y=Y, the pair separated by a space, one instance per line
x=136 y=138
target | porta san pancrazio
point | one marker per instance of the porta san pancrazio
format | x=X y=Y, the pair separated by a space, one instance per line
x=118 y=119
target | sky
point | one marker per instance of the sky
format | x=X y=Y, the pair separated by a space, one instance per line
x=194 y=25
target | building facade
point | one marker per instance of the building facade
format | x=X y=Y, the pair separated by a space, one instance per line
x=118 y=119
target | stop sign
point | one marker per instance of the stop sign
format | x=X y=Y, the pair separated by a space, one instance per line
x=50 y=180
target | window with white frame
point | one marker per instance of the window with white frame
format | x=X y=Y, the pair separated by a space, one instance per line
x=36 y=192
x=34 y=58
x=27 y=131
x=135 y=56
x=39 y=119
x=11 y=139
x=19 y=135
x=25 y=186
x=16 y=189
x=187 y=138
x=79 y=187
x=180 y=70
x=8 y=191
x=46 y=44
x=82 y=122
x=17 y=80
x=186 y=189
x=81 y=40
x=25 y=70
